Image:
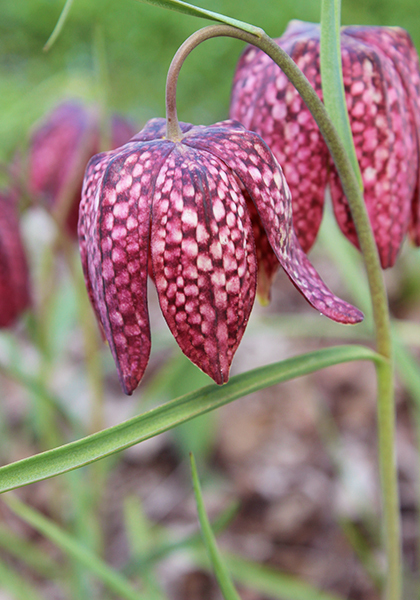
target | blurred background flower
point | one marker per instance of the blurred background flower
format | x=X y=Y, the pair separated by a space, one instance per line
x=14 y=273
x=59 y=150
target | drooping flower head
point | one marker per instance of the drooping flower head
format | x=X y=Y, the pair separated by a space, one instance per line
x=190 y=205
x=59 y=151
x=382 y=85
x=14 y=274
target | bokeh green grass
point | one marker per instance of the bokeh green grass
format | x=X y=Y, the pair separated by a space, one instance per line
x=140 y=41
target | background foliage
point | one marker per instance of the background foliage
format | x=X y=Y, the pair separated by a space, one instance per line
x=139 y=42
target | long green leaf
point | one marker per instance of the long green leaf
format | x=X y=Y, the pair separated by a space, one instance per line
x=332 y=78
x=196 y=11
x=73 y=548
x=222 y=574
x=111 y=440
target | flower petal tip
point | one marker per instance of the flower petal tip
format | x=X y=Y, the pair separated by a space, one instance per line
x=344 y=313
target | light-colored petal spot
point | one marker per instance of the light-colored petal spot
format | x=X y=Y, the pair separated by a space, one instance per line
x=189 y=217
x=124 y=183
x=121 y=210
x=204 y=262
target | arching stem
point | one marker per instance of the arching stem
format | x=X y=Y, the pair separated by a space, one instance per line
x=351 y=188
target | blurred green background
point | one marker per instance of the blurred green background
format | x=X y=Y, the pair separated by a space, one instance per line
x=136 y=42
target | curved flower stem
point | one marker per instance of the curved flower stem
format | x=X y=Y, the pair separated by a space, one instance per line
x=351 y=188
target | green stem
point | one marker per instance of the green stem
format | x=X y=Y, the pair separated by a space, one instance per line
x=351 y=188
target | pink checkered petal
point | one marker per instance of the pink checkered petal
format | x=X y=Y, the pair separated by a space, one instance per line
x=268 y=264
x=203 y=258
x=384 y=136
x=115 y=222
x=266 y=102
x=396 y=44
x=93 y=177
x=59 y=150
x=251 y=160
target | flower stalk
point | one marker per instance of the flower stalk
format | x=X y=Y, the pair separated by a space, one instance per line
x=351 y=188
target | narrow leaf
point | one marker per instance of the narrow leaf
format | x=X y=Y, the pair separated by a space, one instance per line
x=219 y=567
x=73 y=548
x=104 y=443
x=332 y=78
x=59 y=26
x=196 y=11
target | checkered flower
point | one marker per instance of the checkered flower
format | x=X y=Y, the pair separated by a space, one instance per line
x=382 y=84
x=59 y=150
x=14 y=275
x=190 y=207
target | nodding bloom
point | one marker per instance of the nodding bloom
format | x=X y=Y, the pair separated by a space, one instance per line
x=189 y=206
x=382 y=86
x=14 y=274
x=59 y=150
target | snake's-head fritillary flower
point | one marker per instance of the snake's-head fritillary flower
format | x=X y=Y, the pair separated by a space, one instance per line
x=59 y=150
x=185 y=204
x=382 y=85
x=14 y=274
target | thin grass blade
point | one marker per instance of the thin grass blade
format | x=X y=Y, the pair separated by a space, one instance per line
x=73 y=548
x=221 y=572
x=59 y=26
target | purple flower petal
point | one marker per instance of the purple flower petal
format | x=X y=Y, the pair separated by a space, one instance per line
x=248 y=156
x=114 y=229
x=384 y=136
x=186 y=204
x=203 y=258
x=264 y=100
x=382 y=83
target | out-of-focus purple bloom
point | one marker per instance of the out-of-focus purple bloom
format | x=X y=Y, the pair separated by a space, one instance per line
x=14 y=275
x=59 y=151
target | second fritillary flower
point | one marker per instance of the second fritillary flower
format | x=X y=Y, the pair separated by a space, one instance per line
x=192 y=206
x=381 y=77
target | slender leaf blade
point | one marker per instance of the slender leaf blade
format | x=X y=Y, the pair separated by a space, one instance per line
x=222 y=575
x=105 y=443
x=73 y=548
x=59 y=26
x=196 y=11
x=332 y=78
